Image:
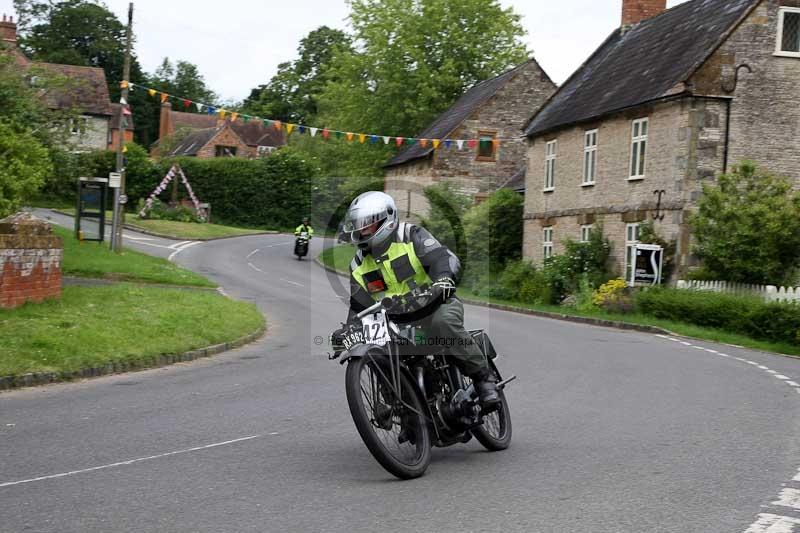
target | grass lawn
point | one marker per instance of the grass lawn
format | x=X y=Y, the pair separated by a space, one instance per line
x=90 y=327
x=95 y=260
x=178 y=230
x=339 y=258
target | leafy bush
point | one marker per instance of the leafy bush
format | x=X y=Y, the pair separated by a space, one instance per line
x=774 y=321
x=748 y=227
x=23 y=167
x=161 y=211
x=590 y=259
x=520 y=281
x=494 y=231
x=62 y=182
x=445 y=218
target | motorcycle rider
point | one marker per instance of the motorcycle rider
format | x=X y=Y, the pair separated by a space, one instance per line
x=305 y=226
x=394 y=257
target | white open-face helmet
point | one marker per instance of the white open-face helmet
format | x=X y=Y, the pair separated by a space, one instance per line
x=371 y=219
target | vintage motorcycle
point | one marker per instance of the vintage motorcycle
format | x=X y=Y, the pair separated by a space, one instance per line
x=301 y=245
x=404 y=395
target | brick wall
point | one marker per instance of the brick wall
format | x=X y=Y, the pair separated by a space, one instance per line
x=30 y=261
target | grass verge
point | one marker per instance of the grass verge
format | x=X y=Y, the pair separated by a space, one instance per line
x=91 y=327
x=95 y=260
x=339 y=257
x=178 y=230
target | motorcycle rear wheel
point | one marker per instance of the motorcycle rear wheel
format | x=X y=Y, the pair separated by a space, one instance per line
x=380 y=419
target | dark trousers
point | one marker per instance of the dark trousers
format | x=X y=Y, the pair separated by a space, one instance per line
x=446 y=329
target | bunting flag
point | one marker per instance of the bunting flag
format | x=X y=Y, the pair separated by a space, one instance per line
x=326 y=132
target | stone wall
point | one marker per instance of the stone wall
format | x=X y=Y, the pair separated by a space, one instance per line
x=94 y=136
x=685 y=147
x=765 y=116
x=30 y=261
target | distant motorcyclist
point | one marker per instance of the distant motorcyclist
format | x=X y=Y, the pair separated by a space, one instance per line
x=395 y=257
x=306 y=228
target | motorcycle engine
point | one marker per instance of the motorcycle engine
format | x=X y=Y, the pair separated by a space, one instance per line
x=458 y=414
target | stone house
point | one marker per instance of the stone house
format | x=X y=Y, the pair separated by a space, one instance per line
x=250 y=139
x=493 y=109
x=668 y=102
x=80 y=89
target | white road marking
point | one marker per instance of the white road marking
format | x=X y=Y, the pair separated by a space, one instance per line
x=762 y=367
x=129 y=462
x=780 y=376
x=771 y=371
x=178 y=244
x=792 y=384
x=251 y=265
x=789 y=498
x=131 y=237
x=686 y=343
x=155 y=245
x=699 y=348
x=770 y=523
x=254 y=252
x=797 y=477
x=187 y=244
x=710 y=350
x=752 y=363
x=293 y=282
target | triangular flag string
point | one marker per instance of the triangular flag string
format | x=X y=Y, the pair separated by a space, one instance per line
x=399 y=141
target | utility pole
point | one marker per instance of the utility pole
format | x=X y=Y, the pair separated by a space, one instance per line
x=119 y=210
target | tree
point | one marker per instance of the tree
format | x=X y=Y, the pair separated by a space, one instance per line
x=494 y=231
x=24 y=165
x=414 y=58
x=291 y=95
x=184 y=79
x=747 y=227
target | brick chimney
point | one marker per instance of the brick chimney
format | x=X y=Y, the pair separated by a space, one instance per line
x=165 y=128
x=8 y=31
x=635 y=11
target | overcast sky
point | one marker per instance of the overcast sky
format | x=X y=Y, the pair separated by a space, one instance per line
x=237 y=44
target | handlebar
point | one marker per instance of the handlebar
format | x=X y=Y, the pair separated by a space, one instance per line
x=387 y=303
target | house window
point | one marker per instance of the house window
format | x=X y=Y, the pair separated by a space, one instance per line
x=225 y=151
x=79 y=125
x=788 y=32
x=589 y=157
x=550 y=166
x=631 y=240
x=586 y=232
x=547 y=242
x=264 y=151
x=639 y=148
x=486 y=146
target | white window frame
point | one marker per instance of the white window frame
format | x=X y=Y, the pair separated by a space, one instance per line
x=589 y=157
x=547 y=242
x=782 y=11
x=640 y=129
x=632 y=234
x=586 y=232
x=550 y=155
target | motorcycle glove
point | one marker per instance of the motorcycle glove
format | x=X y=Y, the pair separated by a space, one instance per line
x=446 y=287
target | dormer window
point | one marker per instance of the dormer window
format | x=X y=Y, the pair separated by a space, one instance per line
x=788 y=32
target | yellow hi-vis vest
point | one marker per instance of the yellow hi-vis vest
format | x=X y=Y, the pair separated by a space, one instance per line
x=389 y=275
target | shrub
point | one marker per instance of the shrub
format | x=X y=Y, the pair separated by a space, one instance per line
x=23 y=167
x=161 y=211
x=613 y=296
x=747 y=227
x=747 y=315
x=445 y=218
x=581 y=259
x=494 y=230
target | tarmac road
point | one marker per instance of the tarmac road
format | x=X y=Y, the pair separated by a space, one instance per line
x=613 y=431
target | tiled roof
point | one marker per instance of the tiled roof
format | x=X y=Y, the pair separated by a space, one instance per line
x=85 y=88
x=195 y=141
x=648 y=62
x=253 y=133
x=451 y=119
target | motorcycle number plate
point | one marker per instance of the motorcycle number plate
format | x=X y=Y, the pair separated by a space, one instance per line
x=375 y=328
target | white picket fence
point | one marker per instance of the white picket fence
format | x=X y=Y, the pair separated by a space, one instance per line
x=770 y=293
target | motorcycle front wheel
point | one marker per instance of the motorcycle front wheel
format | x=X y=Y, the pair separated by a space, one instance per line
x=393 y=429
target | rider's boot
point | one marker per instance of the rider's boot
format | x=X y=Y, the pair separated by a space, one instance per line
x=486 y=387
